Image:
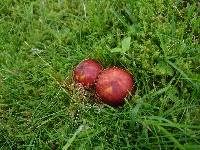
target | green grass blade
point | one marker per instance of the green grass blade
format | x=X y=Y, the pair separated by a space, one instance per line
x=70 y=141
x=171 y=138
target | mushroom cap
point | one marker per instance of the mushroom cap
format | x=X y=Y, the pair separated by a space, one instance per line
x=86 y=72
x=113 y=85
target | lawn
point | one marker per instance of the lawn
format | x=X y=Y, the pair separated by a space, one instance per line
x=42 y=41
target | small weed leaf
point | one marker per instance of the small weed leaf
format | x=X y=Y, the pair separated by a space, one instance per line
x=163 y=68
x=126 y=44
x=116 y=50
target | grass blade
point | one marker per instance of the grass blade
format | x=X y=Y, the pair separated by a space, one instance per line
x=70 y=141
x=171 y=138
x=181 y=72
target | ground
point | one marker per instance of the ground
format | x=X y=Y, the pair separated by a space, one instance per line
x=41 y=42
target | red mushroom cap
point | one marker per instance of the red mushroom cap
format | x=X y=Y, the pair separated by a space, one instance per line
x=86 y=72
x=113 y=85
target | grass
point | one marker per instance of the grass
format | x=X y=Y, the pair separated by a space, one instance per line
x=42 y=41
